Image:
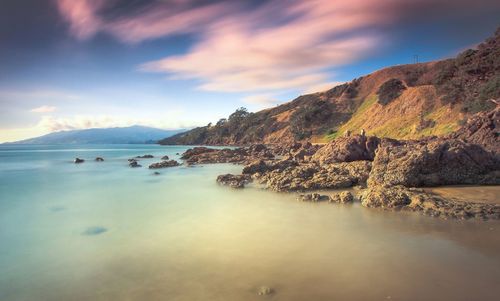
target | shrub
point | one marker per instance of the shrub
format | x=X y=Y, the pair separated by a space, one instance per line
x=390 y=90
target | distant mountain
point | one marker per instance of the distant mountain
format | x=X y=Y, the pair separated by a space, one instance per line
x=119 y=135
x=404 y=102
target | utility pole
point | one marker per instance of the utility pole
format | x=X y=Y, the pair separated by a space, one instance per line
x=415 y=58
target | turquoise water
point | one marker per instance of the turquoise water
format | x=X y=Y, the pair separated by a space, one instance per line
x=104 y=231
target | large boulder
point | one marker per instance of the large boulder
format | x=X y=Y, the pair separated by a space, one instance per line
x=433 y=162
x=347 y=149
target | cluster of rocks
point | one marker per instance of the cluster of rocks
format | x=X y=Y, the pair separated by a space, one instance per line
x=79 y=160
x=133 y=163
x=145 y=157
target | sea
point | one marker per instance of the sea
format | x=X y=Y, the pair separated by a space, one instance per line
x=105 y=231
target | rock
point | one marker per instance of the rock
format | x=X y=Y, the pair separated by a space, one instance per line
x=234 y=181
x=344 y=197
x=483 y=129
x=313 y=197
x=433 y=162
x=134 y=164
x=288 y=175
x=78 y=160
x=156 y=173
x=145 y=157
x=165 y=158
x=265 y=291
x=99 y=159
x=164 y=164
x=347 y=149
x=204 y=155
x=412 y=199
x=132 y=160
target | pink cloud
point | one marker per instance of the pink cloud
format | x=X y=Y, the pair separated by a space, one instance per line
x=250 y=52
x=82 y=17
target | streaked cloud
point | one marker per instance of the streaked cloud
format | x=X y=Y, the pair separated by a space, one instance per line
x=43 y=109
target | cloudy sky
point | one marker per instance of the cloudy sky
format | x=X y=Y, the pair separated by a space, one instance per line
x=70 y=64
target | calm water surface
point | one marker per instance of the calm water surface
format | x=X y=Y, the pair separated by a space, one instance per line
x=104 y=231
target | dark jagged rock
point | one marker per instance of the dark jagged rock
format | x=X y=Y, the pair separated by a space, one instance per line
x=234 y=181
x=347 y=149
x=433 y=162
x=156 y=173
x=145 y=157
x=344 y=197
x=483 y=129
x=134 y=163
x=99 y=159
x=164 y=164
x=78 y=160
x=165 y=158
x=313 y=197
x=412 y=199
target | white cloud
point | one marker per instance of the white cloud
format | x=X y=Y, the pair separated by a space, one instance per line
x=43 y=109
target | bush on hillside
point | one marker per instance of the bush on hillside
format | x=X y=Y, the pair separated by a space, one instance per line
x=390 y=90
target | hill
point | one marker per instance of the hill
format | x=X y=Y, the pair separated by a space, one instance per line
x=404 y=102
x=119 y=135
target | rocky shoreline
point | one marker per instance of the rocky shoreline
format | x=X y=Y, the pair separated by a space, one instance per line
x=389 y=173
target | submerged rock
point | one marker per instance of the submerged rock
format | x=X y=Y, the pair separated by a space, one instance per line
x=234 y=181
x=312 y=197
x=78 y=160
x=99 y=159
x=165 y=157
x=265 y=291
x=164 y=164
x=145 y=157
x=94 y=230
x=344 y=197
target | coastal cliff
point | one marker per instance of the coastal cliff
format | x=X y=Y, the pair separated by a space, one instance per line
x=402 y=102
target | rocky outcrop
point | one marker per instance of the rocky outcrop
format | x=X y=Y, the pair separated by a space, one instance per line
x=347 y=149
x=204 y=155
x=412 y=199
x=482 y=129
x=234 y=181
x=165 y=157
x=433 y=162
x=99 y=159
x=78 y=160
x=287 y=175
x=145 y=157
x=164 y=164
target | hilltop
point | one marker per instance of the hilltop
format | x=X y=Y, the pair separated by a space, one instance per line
x=404 y=102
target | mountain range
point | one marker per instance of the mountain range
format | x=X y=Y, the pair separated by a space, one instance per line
x=118 y=135
x=404 y=102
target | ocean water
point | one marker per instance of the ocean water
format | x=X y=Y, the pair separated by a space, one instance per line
x=104 y=231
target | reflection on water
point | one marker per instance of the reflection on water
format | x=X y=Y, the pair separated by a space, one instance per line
x=180 y=236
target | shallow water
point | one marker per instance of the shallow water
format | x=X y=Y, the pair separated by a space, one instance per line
x=478 y=194
x=104 y=231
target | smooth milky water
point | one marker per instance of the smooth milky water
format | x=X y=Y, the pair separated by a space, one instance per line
x=104 y=231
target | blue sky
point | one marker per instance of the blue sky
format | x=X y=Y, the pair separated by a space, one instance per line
x=69 y=64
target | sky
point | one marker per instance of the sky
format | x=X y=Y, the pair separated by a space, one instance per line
x=74 y=64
